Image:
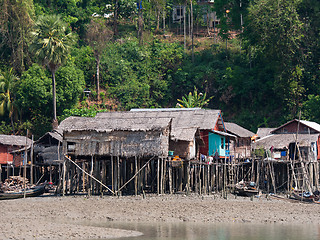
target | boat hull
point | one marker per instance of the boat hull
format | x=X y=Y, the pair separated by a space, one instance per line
x=32 y=192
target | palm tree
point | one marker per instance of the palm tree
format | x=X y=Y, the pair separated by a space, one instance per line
x=51 y=44
x=193 y=100
x=98 y=34
x=7 y=82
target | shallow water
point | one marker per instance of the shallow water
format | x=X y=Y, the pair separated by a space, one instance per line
x=233 y=231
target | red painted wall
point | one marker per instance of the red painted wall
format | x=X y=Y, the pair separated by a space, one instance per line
x=204 y=135
x=4 y=155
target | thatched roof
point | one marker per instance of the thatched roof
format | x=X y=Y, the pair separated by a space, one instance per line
x=237 y=130
x=56 y=134
x=14 y=140
x=262 y=132
x=281 y=141
x=185 y=122
x=114 y=122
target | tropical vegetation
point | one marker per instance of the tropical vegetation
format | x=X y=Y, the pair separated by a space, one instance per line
x=258 y=61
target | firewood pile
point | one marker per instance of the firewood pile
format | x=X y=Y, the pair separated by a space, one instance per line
x=13 y=183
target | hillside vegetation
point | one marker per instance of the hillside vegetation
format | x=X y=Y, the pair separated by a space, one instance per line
x=260 y=67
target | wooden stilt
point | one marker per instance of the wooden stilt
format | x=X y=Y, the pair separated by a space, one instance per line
x=112 y=174
x=158 y=176
x=118 y=174
x=188 y=178
x=136 y=177
x=64 y=178
x=170 y=175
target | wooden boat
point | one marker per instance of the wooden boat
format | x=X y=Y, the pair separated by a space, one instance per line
x=246 y=189
x=31 y=192
x=304 y=196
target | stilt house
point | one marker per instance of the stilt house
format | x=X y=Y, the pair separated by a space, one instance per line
x=48 y=148
x=11 y=154
x=9 y=144
x=117 y=146
x=191 y=126
x=240 y=148
x=280 y=143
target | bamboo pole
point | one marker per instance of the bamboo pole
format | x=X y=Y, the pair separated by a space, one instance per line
x=136 y=176
x=112 y=174
x=118 y=174
x=25 y=166
x=170 y=175
x=158 y=176
x=88 y=174
x=31 y=164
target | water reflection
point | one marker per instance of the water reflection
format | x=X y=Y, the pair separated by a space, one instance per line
x=233 y=231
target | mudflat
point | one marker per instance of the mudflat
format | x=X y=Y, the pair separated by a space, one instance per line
x=74 y=217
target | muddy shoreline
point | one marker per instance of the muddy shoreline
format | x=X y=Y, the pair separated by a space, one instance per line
x=51 y=217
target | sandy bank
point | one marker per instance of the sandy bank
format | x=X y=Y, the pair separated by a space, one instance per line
x=67 y=217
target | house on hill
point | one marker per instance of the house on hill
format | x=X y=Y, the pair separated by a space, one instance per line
x=241 y=146
x=280 y=143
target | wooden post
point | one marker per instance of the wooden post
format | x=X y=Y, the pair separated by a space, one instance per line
x=136 y=177
x=118 y=174
x=31 y=164
x=112 y=174
x=170 y=176
x=25 y=165
x=188 y=178
x=158 y=176
x=196 y=177
x=316 y=176
x=164 y=174
x=200 y=182
x=64 y=178
x=91 y=173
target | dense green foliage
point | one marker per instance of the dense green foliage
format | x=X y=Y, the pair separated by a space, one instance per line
x=261 y=71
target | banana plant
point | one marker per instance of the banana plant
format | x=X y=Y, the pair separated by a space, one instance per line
x=193 y=100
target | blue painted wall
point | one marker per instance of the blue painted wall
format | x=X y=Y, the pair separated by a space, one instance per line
x=217 y=143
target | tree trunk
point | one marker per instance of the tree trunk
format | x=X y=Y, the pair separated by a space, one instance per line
x=54 y=96
x=191 y=12
x=140 y=26
x=98 y=75
x=115 y=18
x=164 y=19
x=158 y=18
x=184 y=28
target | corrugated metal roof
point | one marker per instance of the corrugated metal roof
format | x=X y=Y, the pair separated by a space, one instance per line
x=312 y=125
x=262 y=132
x=14 y=140
x=281 y=141
x=238 y=130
